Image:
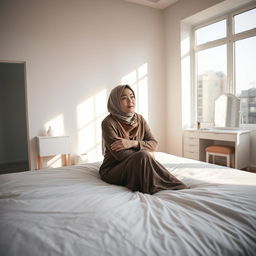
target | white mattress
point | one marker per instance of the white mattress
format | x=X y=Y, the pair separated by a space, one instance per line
x=71 y=211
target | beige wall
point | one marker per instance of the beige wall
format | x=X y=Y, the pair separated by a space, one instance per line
x=76 y=49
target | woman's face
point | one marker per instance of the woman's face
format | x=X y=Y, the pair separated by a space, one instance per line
x=127 y=101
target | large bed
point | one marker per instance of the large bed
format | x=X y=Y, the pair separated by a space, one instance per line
x=71 y=211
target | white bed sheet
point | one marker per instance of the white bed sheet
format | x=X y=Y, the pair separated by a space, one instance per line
x=71 y=211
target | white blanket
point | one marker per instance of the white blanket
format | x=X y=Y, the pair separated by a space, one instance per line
x=71 y=211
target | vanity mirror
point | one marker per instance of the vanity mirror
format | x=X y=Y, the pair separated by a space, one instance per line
x=227 y=111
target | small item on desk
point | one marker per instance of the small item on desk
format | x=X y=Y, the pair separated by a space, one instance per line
x=49 y=131
x=198 y=125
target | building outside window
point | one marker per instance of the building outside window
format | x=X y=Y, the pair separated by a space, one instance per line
x=225 y=61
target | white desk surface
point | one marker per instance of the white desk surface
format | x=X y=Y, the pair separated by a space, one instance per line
x=48 y=137
x=216 y=130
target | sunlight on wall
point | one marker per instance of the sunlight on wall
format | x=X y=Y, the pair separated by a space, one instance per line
x=54 y=161
x=186 y=92
x=130 y=78
x=93 y=110
x=186 y=81
x=138 y=80
x=90 y=114
x=57 y=125
x=185 y=46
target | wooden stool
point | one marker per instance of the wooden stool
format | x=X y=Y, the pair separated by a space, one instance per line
x=225 y=151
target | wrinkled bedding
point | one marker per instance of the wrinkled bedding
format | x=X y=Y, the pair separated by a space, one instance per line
x=71 y=211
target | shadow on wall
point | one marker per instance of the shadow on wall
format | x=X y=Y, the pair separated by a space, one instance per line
x=91 y=112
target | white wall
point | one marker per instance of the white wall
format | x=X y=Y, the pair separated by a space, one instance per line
x=76 y=49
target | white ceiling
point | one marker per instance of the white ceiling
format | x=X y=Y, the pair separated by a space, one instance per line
x=159 y=4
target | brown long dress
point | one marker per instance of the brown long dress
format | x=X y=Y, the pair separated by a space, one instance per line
x=134 y=168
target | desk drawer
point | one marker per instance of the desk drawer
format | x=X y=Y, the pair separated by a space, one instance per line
x=218 y=136
x=191 y=141
x=193 y=134
x=50 y=145
x=191 y=155
x=191 y=148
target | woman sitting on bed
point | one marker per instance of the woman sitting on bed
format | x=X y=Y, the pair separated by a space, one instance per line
x=127 y=142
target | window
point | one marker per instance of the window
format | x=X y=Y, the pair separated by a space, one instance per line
x=245 y=21
x=211 y=32
x=211 y=80
x=245 y=77
x=225 y=61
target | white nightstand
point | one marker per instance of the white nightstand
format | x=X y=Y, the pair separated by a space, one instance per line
x=53 y=145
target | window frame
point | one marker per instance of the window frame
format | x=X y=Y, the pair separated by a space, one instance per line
x=229 y=40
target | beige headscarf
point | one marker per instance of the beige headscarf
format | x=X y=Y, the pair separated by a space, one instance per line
x=114 y=104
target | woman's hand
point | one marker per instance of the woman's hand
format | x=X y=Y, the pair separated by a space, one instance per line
x=123 y=144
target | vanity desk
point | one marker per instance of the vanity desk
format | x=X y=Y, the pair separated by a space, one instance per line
x=196 y=140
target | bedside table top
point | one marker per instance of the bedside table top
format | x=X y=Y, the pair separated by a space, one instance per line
x=49 y=137
x=52 y=145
